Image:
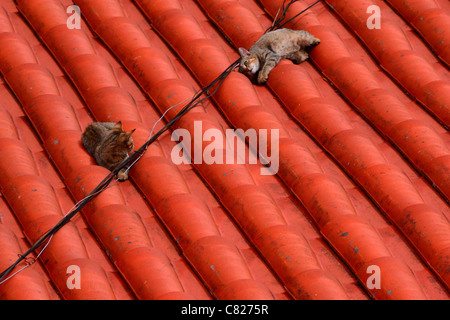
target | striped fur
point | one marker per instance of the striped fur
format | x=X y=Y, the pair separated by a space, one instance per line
x=108 y=144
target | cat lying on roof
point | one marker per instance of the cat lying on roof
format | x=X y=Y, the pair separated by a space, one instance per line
x=273 y=47
x=108 y=144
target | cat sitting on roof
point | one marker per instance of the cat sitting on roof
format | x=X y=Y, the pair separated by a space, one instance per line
x=273 y=47
x=109 y=145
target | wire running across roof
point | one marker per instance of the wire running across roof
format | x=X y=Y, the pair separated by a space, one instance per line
x=363 y=181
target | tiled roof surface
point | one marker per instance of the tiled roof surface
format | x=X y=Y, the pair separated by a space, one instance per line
x=363 y=184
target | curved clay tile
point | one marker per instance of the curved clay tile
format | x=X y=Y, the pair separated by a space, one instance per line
x=419 y=142
x=236 y=175
x=342 y=201
x=26 y=285
x=76 y=167
x=387 y=185
x=395 y=54
x=312 y=184
x=92 y=90
x=431 y=21
x=36 y=207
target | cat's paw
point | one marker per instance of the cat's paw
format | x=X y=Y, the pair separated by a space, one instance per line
x=300 y=57
x=122 y=175
x=262 y=78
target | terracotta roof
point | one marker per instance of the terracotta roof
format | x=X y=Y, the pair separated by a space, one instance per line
x=363 y=183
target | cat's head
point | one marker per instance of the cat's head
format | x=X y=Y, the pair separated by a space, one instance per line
x=124 y=138
x=249 y=62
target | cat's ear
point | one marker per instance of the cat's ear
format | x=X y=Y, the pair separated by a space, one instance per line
x=129 y=133
x=118 y=126
x=243 y=52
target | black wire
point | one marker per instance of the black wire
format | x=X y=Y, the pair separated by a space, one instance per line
x=277 y=23
x=280 y=18
x=131 y=159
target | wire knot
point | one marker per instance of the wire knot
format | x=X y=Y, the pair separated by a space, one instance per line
x=28 y=260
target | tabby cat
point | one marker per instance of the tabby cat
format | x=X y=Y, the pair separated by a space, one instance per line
x=273 y=47
x=108 y=144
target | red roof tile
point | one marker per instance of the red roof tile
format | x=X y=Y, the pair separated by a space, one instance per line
x=364 y=170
